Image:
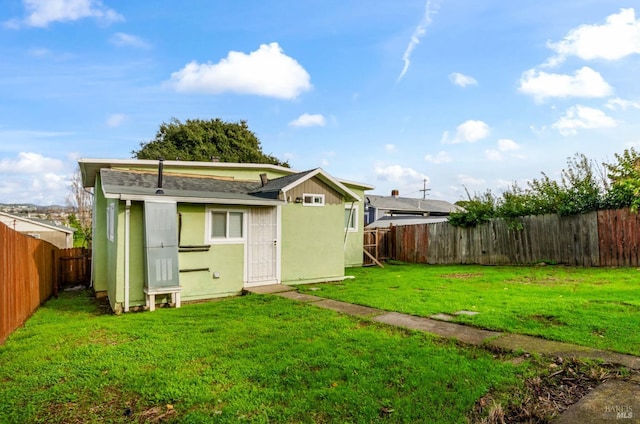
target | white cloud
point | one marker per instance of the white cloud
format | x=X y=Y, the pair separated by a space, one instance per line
x=617 y=38
x=30 y=163
x=264 y=72
x=121 y=39
x=468 y=180
x=507 y=145
x=307 y=120
x=441 y=157
x=390 y=148
x=583 y=117
x=461 y=79
x=623 y=104
x=40 y=13
x=116 y=119
x=585 y=83
x=397 y=174
x=418 y=33
x=468 y=132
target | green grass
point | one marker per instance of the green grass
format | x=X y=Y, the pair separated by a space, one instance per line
x=254 y=359
x=596 y=307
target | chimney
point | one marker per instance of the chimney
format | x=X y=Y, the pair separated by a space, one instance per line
x=263 y=179
x=160 y=165
x=395 y=193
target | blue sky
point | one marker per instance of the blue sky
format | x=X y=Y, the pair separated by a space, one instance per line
x=468 y=94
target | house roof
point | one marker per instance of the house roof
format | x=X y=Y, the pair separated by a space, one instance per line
x=37 y=221
x=286 y=183
x=388 y=221
x=91 y=167
x=138 y=185
x=406 y=204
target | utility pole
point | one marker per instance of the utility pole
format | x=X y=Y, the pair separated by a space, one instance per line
x=424 y=189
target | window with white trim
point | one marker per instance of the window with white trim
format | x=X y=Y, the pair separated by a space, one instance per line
x=313 y=199
x=111 y=217
x=350 y=218
x=225 y=226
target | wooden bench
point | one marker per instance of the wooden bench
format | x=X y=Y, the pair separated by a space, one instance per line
x=152 y=292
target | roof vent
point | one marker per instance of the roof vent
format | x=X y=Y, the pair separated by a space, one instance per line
x=395 y=193
x=160 y=166
x=263 y=179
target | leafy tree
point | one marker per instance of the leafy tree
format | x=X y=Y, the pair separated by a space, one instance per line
x=624 y=175
x=206 y=140
x=477 y=210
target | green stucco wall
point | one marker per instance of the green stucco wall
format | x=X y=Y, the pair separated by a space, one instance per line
x=353 y=247
x=99 y=241
x=312 y=243
x=225 y=259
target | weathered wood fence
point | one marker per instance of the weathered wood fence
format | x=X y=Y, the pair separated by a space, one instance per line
x=31 y=271
x=603 y=238
x=378 y=244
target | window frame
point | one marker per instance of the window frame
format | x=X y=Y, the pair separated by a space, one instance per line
x=111 y=218
x=314 y=196
x=226 y=239
x=353 y=229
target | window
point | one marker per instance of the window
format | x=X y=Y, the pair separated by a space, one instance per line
x=111 y=221
x=313 y=199
x=350 y=218
x=225 y=225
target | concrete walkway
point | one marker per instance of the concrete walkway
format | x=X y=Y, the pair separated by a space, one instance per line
x=612 y=401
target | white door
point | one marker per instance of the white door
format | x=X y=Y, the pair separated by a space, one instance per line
x=262 y=247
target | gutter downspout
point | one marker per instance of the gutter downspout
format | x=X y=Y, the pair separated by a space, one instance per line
x=127 y=237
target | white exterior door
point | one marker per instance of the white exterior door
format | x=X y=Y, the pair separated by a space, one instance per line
x=262 y=247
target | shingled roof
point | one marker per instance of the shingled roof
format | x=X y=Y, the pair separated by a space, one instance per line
x=123 y=184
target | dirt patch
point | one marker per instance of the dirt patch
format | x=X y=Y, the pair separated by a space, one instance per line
x=547 y=320
x=546 y=396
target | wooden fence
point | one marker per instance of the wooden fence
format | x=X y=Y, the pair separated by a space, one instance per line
x=377 y=244
x=75 y=266
x=31 y=271
x=28 y=277
x=603 y=238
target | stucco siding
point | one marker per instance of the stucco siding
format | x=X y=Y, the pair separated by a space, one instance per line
x=99 y=240
x=312 y=243
x=225 y=260
x=353 y=246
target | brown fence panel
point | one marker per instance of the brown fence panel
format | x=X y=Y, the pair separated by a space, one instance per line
x=75 y=266
x=28 y=277
x=619 y=238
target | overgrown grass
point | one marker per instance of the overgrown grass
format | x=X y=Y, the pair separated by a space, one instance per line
x=597 y=307
x=254 y=358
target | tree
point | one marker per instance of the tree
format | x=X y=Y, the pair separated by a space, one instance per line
x=202 y=140
x=624 y=190
x=81 y=202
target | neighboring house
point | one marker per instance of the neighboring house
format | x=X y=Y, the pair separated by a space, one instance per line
x=200 y=230
x=58 y=235
x=383 y=211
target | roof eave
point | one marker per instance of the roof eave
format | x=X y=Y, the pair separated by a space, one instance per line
x=196 y=200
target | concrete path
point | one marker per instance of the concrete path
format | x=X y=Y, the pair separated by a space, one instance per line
x=612 y=401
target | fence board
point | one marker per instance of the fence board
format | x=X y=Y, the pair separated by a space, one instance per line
x=603 y=238
x=28 y=277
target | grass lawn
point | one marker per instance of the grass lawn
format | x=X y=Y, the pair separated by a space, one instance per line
x=253 y=358
x=596 y=307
